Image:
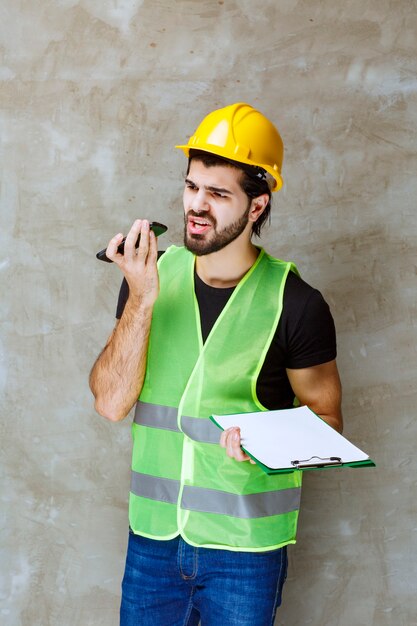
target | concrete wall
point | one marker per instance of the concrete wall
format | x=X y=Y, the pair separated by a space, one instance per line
x=94 y=94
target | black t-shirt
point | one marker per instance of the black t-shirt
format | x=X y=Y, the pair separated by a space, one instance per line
x=305 y=335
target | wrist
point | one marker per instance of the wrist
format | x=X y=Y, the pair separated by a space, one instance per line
x=140 y=304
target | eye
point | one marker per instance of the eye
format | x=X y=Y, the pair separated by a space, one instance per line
x=190 y=186
x=217 y=194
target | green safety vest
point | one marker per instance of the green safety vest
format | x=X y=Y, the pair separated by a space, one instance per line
x=183 y=482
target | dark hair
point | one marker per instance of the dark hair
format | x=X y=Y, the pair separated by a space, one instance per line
x=252 y=181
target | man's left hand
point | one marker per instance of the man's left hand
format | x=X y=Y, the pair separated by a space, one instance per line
x=230 y=439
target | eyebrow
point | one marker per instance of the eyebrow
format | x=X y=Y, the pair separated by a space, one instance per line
x=210 y=187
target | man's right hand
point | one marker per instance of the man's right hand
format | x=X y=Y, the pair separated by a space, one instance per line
x=117 y=376
x=138 y=264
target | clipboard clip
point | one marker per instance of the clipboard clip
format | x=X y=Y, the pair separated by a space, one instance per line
x=317 y=461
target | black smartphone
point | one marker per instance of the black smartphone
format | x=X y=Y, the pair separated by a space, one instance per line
x=156 y=227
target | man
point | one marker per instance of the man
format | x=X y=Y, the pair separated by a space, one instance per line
x=218 y=326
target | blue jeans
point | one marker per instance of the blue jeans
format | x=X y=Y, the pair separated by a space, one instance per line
x=170 y=583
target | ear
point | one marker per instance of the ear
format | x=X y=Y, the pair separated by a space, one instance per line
x=257 y=207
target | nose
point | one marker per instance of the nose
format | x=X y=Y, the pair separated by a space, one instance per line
x=199 y=202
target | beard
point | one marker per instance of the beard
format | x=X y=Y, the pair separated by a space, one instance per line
x=200 y=245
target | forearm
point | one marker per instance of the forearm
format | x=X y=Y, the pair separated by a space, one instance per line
x=325 y=400
x=117 y=376
x=319 y=388
x=332 y=417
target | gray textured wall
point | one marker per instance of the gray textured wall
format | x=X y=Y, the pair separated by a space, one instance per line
x=94 y=94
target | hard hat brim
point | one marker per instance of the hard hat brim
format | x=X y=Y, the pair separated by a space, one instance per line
x=217 y=150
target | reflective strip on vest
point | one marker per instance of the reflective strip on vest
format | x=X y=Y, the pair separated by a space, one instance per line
x=248 y=506
x=166 y=418
x=154 y=488
x=200 y=429
x=156 y=416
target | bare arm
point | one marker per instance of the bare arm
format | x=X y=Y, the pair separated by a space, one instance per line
x=317 y=387
x=117 y=376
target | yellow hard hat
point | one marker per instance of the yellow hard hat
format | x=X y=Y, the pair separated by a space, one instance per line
x=240 y=133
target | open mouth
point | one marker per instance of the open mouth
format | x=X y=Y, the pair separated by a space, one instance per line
x=198 y=225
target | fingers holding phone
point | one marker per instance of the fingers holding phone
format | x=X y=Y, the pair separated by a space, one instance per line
x=109 y=254
x=138 y=233
x=117 y=244
x=136 y=256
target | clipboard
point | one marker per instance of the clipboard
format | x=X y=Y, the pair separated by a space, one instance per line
x=289 y=440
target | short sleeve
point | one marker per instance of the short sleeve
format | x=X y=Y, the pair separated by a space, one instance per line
x=123 y=296
x=307 y=327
